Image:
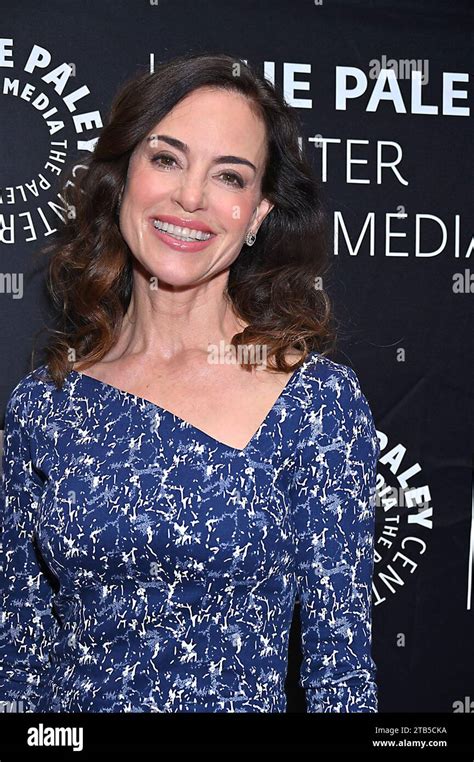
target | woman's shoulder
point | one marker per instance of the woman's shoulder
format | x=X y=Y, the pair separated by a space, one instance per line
x=31 y=391
x=324 y=376
x=333 y=400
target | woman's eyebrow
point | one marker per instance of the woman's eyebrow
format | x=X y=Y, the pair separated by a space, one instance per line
x=185 y=149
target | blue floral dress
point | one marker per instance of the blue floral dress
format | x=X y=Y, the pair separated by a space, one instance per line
x=149 y=567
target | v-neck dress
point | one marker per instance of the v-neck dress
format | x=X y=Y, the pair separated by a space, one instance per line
x=149 y=567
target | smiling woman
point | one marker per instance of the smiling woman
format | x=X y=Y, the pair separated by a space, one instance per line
x=192 y=178
x=163 y=513
x=206 y=143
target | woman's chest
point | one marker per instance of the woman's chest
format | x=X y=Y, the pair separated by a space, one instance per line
x=161 y=504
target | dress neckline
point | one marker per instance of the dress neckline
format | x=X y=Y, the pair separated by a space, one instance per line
x=137 y=398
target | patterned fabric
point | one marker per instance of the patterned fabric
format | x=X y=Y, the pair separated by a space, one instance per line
x=148 y=567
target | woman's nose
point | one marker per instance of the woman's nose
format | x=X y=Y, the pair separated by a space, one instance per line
x=191 y=190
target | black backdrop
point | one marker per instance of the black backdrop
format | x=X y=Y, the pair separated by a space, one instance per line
x=403 y=295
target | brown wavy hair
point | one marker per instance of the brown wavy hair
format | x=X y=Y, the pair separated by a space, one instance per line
x=275 y=286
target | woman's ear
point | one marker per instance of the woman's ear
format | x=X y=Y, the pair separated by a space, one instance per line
x=261 y=211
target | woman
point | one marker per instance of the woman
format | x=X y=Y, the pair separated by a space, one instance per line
x=165 y=510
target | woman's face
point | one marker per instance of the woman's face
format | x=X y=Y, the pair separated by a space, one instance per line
x=164 y=179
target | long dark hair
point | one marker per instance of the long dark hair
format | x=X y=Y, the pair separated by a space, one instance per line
x=275 y=286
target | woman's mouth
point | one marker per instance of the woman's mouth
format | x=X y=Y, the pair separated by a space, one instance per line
x=181 y=238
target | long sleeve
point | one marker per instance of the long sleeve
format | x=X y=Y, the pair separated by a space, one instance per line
x=27 y=622
x=334 y=515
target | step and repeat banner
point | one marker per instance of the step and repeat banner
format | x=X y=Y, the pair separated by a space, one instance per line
x=384 y=96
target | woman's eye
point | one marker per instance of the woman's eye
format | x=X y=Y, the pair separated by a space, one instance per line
x=163 y=156
x=235 y=180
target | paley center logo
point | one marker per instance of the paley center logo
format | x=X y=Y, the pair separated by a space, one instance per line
x=62 y=122
x=404 y=518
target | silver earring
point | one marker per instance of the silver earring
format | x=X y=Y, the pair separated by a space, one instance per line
x=250 y=239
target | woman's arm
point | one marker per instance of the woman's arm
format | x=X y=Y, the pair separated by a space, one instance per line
x=26 y=619
x=334 y=515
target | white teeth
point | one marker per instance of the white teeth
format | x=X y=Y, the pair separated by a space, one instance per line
x=185 y=234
